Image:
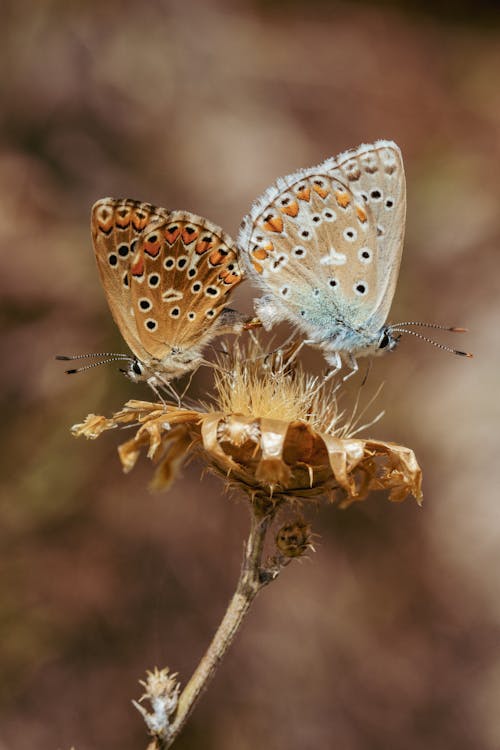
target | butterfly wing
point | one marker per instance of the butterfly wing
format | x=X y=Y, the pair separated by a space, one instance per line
x=116 y=225
x=313 y=246
x=311 y=241
x=375 y=175
x=181 y=275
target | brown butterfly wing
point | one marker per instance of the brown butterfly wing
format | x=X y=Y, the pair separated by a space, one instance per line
x=181 y=275
x=116 y=225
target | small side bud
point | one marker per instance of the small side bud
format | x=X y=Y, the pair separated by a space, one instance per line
x=294 y=538
x=161 y=689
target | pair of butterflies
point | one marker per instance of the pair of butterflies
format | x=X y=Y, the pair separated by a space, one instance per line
x=324 y=245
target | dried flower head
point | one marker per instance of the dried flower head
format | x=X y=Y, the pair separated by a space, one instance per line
x=273 y=431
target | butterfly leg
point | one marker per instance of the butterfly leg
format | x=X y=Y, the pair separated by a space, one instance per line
x=190 y=380
x=335 y=360
x=231 y=321
x=152 y=385
x=354 y=367
x=167 y=387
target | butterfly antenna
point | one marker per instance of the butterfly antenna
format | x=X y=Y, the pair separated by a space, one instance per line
x=74 y=370
x=71 y=357
x=452 y=329
x=434 y=343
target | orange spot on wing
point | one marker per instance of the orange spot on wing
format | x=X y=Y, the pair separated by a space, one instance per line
x=260 y=254
x=138 y=267
x=229 y=278
x=139 y=220
x=122 y=217
x=322 y=192
x=171 y=233
x=304 y=194
x=203 y=246
x=292 y=209
x=152 y=248
x=257 y=266
x=217 y=257
x=105 y=224
x=361 y=214
x=189 y=236
x=342 y=198
x=274 y=224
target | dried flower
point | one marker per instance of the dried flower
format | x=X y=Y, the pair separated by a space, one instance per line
x=273 y=431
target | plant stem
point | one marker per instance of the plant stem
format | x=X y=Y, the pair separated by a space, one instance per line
x=252 y=578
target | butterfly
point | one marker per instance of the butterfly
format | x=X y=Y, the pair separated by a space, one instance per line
x=325 y=246
x=167 y=276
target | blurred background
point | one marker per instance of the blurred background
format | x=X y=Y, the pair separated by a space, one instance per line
x=389 y=635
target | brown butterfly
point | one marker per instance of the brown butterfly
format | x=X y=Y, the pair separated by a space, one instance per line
x=167 y=276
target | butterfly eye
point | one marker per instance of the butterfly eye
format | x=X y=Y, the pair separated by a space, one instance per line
x=136 y=368
x=384 y=341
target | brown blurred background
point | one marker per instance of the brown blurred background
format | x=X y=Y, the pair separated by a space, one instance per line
x=389 y=636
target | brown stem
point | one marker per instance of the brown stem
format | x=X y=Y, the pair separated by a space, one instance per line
x=252 y=579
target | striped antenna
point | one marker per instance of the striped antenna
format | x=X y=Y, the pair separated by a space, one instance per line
x=431 y=341
x=452 y=329
x=111 y=358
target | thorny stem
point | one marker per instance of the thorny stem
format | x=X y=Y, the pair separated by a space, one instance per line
x=252 y=578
